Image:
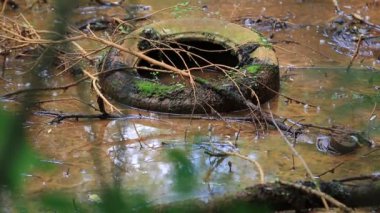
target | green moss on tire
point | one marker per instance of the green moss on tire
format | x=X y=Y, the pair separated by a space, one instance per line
x=253 y=69
x=149 y=88
x=256 y=69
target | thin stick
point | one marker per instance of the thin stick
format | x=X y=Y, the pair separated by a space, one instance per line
x=5 y=2
x=373 y=111
x=332 y=170
x=356 y=53
x=336 y=5
x=258 y=166
x=295 y=152
x=97 y=89
x=138 y=135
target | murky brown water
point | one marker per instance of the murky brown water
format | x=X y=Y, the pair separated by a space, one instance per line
x=88 y=153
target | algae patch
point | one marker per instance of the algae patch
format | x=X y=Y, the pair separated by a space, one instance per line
x=149 y=88
x=253 y=69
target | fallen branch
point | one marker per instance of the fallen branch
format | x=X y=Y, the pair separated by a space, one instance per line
x=318 y=193
x=281 y=196
x=372 y=177
x=63 y=116
x=59 y=116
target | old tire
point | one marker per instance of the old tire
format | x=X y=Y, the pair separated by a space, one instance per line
x=255 y=58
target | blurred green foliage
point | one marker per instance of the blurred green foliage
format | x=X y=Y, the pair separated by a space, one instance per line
x=115 y=200
x=16 y=156
x=56 y=201
x=184 y=175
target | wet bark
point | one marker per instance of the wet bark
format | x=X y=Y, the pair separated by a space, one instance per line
x=277 y=197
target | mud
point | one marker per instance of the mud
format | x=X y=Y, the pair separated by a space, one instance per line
x=347 y=30
x=270 y=24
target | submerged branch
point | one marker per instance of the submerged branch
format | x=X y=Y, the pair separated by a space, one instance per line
x=59 y=116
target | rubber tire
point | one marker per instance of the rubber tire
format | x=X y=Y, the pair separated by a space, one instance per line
x=120 y=84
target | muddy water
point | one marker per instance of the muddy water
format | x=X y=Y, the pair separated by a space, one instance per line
x=133 y=153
